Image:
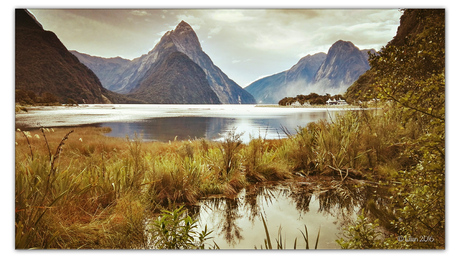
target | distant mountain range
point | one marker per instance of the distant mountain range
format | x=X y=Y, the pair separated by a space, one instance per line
x=320 y=73
x=175 y=71
x=175 y=66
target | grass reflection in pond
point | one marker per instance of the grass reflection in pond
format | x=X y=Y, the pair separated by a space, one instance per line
x=237 y=222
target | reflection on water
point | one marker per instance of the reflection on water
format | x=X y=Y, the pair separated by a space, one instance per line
x=212 y=128
x=169 y=122
x=166 y=128
x=236 y=222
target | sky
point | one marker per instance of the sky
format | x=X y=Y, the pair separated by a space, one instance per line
x=246 y=43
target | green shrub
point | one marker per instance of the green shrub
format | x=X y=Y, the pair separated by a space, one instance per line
x=176 y=230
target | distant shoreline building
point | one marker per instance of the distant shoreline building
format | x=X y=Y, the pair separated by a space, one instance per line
x=336 y=102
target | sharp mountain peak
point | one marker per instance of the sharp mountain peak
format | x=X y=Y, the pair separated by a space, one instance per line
x=343 y=44
x=183 y=37
x=183 y=26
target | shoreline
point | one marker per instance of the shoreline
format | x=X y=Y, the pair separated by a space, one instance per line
x=20 y=109
x=344 y=107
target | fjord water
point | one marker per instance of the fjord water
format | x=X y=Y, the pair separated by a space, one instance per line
x=178 y=122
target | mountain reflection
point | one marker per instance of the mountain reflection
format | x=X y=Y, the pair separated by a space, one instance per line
x=212 y=128
x=165 y=128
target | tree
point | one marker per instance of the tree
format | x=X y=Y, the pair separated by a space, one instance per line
x=22 y=97
x=49 y=98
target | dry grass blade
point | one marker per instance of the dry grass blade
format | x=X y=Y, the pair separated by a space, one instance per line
x=46 y=141
x=286 y=131
x=59 y=149
x=28 y=143
x=305 y=237
x=317 y=238
x=268 y=242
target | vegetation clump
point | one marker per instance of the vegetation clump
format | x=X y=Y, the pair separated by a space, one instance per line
x=310 y=99
x=177 y=230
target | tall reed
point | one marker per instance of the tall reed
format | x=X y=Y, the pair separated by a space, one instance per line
x=36 y=194
x=280 y=244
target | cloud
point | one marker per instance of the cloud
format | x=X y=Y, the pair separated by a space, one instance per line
x=140 y=12
x=231 y=16
x=214 y=31
x=236 y=61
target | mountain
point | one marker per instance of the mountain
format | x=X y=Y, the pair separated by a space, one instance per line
x=306 y=68
x=108 y=70
x=320 y=73
x=44 y=66
x=292 y=82
x=130 y=75
x=162 y=84
x=343 y=65
x=226 y=89
x=269 y=89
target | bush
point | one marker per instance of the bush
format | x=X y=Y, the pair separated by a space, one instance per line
x=176 y=230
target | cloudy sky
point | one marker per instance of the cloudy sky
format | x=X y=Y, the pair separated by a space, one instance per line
x=246 y=44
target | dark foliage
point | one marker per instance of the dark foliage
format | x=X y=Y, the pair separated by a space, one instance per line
x=312 y=98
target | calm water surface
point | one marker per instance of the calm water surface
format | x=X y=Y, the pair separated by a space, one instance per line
x=180 y=122
x=325 y=207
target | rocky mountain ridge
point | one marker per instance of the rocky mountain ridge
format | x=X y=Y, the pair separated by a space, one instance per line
x=130 y=75
x=320 y=73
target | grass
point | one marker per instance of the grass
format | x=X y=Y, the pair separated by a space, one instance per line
x=280 y=244
x=80 y=189
x=177 y=230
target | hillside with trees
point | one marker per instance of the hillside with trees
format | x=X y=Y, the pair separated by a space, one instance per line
x=409 y=75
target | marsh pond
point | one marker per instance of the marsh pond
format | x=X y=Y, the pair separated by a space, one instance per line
x=324 y=207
